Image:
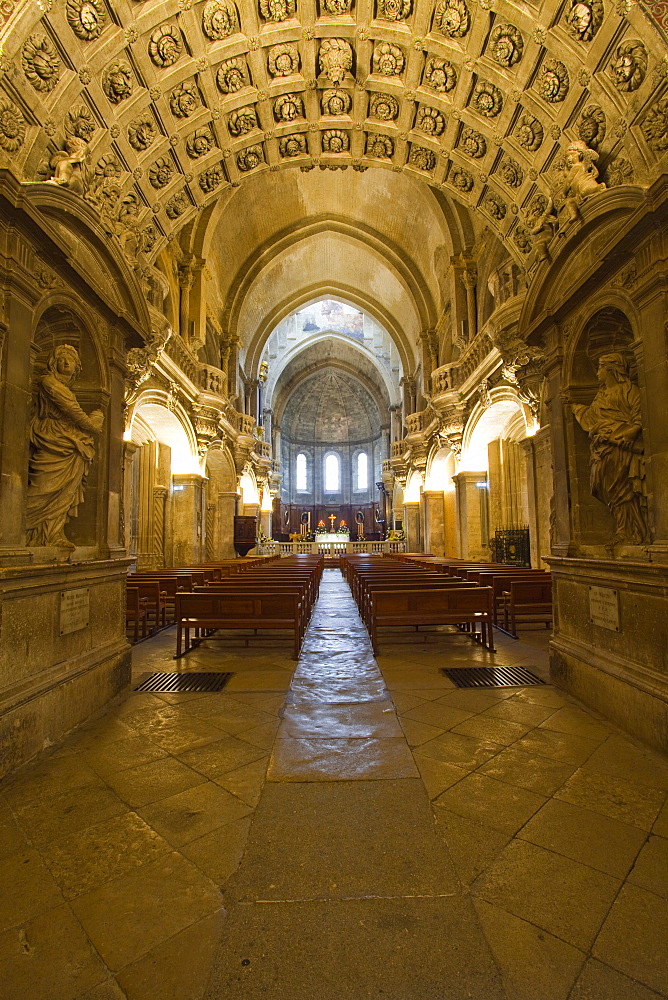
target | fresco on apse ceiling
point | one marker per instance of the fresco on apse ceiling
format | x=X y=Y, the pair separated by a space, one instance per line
x=331 y=315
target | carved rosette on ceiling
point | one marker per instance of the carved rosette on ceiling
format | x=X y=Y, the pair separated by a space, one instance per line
x=506 y=44
x=430 y=121
x=384 y=107
x=393 y=10
x=184 y=100
x=161 y=172
x=336 y=7
x=220 y=19
x=452 y=18
x=232 y=76
x=629 y=66
x=583 y=19
x=461 y=179
x=487 y=99
x=592 y=126
x=335 y=59
x=423 y=159
x=495 y=205
x=41 y=62
x=12 y=126
x=242 y=121
x=380 y=146
x=336 y=102
x=288 y=107
x=553 y=82
x=472 y=143
x=654 y=127
x=510 y=172
x=277 y=10
x=211 y=178
x=440 y=75
x=388 y=59
x=292 y=145
x=177 y=204
x=165 y=45
x=529 y=132
x=283 y=60
x=149 y=238
x=200 y=143
x=522 y=239
x=335 y=141
x=250 y=158
x=86 y=18
x=142 y=132
x=117 y=82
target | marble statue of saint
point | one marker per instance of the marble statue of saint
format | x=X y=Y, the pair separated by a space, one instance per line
x=61 y=450
x=613 y=422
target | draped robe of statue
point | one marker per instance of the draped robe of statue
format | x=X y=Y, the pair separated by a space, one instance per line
x=613 y=422
x=61 y=446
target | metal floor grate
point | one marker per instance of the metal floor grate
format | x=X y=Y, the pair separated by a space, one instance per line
x=490 y=677
x=187 y=682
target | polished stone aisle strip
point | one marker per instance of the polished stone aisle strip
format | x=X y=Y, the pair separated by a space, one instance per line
x=346 y=890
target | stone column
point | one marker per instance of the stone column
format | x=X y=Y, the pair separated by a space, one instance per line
x=451 y=534
x=470 y=280
x=210 y=531
x=186 y=277
x=15 y=402
x=252 y=390
x=561 y=510
x=396 y=430
x=227 y=508
x=187 y=519
x=159 y=497
x=145 y=506
x=435 y=521
x=539 y=487
x=472 y=515
x=265 y=522
x=412 y=527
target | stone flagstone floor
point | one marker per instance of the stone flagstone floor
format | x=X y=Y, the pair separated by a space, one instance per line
x=352 y=828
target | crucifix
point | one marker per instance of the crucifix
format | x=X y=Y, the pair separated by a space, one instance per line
x=332 y=519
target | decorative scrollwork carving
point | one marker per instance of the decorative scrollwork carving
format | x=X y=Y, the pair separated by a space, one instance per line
x=161 y=172
x=232 y=76
x=41 y=62
x=278 y=10
x=250 y=158
x=288 y=107
x=584 y=18
x=388 y=59
x=283 y=60
x=511 y=172
x=452 y=18
x=142 y=132
x=423 y=159
x=335 y=141
x=177 y=204
x=336 y=102
x=211 y=178
x=200 y=143
x=220 y=19
x=529 y=132
x=592 y=126
x=12 y=126
x=487 y=99
x=461 y=179
x=430 y=121
x=553 y=82
x=496 y=207
x=629 y=66
x=506 y=44
x=472 y=143
x=335 y=59
x=655 y=125
x=86 y=18
x=393 y=10
x=117 y=82
x=184 y=100
x=242 y=121
x=165 y=45
x=380 y=146
x=620 y=171
x=440 y=75
x=385 y=107
x=292 y=145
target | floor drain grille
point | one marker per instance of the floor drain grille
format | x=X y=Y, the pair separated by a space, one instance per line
x=181 y=683
x=490 y=677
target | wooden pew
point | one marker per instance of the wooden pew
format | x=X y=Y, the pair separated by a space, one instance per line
x=208 y=610
x=530 y=601
x=469 y=606
x=136 y=610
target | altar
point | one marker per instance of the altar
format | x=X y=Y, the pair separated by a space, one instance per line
x=333 y=536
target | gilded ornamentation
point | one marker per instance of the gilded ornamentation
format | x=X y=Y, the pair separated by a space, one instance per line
x=529 y=132
x=423 y=159
x=452 y=18
x=283 y=60
x=184 y=100
x=335 y=141
x=117 y=82
x=388 y=59
x=385 y=107
x=613 y=421
x=511 y=172
x=292 y=145
x=142 y=132
x=219 y=19
x=337 y=6
x=86 y=18
x=430 y=121
x=12 y=126
x=211 y=178
x=250 y=158
x=288 y=107
x=200 y=143
x=584 y=18
x=461 y=179
x=473 y=143
x=41 y=62
x=335 y=59
x=496 y=207
x=655 y=126
x=393 y=10
x=553 y=81
x=629 y=66
x=232 y=76
x=165 y=45
x=381 y=146
x=278 y=10
x=592 y=126
x=242 y=121
x=506 y=44
x=177 y=204
x=161 y=172
x=61 y=451
x=486 y=99
x=440 y=75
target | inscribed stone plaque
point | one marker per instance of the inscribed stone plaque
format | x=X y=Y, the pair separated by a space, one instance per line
x=74 y=610
x=604 y=608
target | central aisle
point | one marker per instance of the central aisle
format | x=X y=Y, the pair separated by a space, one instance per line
x=346 y=890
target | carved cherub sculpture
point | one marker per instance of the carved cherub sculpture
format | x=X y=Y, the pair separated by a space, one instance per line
x=67 y=164
x=543 y=230
x=580 y=176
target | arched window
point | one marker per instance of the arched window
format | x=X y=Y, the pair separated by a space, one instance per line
x=300 y=473
x=362 y=471
x=332 y=473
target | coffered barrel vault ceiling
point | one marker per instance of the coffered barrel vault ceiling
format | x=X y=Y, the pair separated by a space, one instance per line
x=179 y=101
